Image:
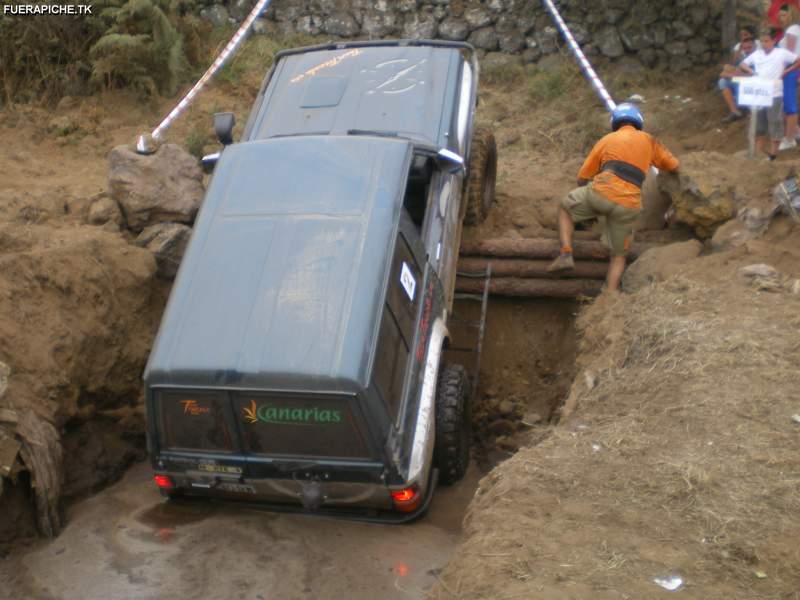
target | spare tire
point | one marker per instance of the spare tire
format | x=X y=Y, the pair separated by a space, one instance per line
x=481 y=176
x=453 y=424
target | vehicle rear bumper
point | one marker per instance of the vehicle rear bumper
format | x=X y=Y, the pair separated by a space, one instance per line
x=357 y=501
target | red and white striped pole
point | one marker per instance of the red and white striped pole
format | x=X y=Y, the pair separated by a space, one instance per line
x=148 y=143
x=582 y=60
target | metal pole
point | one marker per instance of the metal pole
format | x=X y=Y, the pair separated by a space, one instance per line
x=751 y=133
x=584 y=63
x=147 y=143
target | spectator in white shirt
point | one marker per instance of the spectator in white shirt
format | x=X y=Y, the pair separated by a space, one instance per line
x=772 y=63
x=788 y=16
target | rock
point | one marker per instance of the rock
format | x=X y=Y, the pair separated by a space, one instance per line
x=609 y=42
x=406 y=6
x=697 y=47
x=484 y=38
x=422 y=25
x=477 y=18
x=511 y=42
x=104 y=210
x=217 y=15
x=5 y=373
x=649 y=57
x=453 y=28
x=165 y=186
x=308 y=25
x=579 y=32
x=532 y=418
x=660 y=263
x=547 y=39
x=644 y=13
x=636 y=37
x=679 y=64
x=760 y=270
x=342 y=24
x=377 y=24
x=698 y=201
x=676 y=48
x=506 y=407
x=239 y=9
x=730 y=235
x=681 y=30
x=167 y=241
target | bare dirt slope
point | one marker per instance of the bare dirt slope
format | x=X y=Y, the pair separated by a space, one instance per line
x=681 y=458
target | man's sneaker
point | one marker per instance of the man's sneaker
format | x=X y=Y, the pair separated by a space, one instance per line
x=787 y=144
x=732 y=117
x=564 y=262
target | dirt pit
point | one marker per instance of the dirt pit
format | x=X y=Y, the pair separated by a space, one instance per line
x=527 y=367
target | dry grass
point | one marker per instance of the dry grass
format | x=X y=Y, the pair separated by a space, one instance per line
x=681 y=459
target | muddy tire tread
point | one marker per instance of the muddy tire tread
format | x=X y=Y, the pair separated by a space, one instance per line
x=451 y=454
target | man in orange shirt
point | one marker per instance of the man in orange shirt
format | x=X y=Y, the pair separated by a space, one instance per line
x=610 y=185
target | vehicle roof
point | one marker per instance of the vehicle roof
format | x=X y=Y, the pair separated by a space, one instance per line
x=282 y=283
x=391 y=88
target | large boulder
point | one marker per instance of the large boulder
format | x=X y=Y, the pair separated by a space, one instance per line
x=658 y=264
x=165 y=186
x=167 y=242
x=700 y=202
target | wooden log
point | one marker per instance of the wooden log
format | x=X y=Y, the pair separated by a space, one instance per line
x=541 y=248
x=519 y=267
x=532 y=288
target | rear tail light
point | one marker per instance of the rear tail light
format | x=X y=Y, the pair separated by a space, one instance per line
x=164 y=482
x=406 y=500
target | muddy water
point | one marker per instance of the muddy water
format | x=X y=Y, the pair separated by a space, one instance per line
x=127 y=543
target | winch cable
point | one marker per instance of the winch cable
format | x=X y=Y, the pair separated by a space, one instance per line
x=590 y=73
x=148 y=143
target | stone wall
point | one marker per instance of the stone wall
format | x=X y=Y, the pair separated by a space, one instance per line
x=675 y=34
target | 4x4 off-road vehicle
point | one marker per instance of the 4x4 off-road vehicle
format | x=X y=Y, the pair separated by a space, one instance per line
x=299 y=360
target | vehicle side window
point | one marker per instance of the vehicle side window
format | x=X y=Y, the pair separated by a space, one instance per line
x=398 y=325
x=464 y=107
x=419 y=180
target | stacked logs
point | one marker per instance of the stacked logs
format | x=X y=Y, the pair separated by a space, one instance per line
x=519 y=267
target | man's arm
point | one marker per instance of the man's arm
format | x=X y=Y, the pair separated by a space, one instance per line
x=663 y=158
x=591 y=166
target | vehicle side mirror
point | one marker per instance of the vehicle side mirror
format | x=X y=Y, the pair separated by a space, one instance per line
x=450 y=161
x=209 y=161
x=223 y=127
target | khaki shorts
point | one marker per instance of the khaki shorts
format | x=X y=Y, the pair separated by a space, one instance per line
x=584 y=203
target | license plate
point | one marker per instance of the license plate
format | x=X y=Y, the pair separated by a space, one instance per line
x=213 y=468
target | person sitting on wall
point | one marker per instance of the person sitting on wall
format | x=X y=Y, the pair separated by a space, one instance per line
x=610 y=185
x=726 y=85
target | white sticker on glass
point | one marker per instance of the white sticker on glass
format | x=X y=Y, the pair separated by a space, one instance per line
x=408 y=281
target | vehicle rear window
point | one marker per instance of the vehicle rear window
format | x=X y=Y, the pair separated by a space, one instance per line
x=194 y=421
x=305 y=426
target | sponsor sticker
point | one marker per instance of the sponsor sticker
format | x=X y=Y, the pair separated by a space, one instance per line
x=408 y=282
x=191 y=407
x=282 y=415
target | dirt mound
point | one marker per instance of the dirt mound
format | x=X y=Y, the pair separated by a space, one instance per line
x=694 y=381
x=78 y=310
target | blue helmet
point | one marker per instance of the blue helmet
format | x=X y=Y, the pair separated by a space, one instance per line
x=626 y=113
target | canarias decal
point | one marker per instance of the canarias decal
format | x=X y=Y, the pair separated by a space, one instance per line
x=267 y=413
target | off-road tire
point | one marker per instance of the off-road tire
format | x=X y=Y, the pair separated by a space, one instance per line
x=453 y=427
x=481 y=176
